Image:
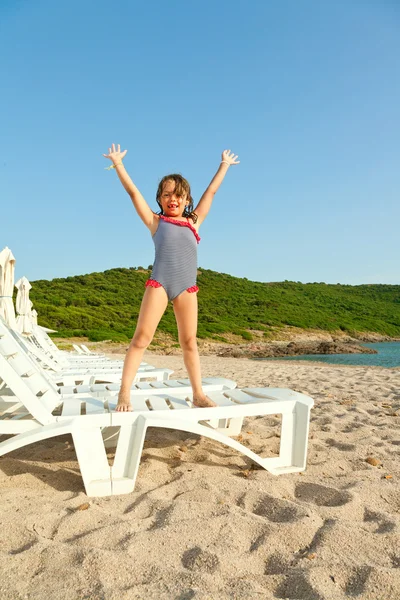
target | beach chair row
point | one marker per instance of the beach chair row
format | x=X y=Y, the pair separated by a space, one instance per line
x=34 y=407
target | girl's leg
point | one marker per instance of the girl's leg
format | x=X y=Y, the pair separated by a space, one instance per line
x=185 y=309
x=152 y=309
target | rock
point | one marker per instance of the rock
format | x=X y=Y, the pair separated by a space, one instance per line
x=371 y=460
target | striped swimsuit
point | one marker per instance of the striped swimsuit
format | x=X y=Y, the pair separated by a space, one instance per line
x=175 y=263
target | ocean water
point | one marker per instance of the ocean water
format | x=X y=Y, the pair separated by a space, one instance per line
x=388 y=356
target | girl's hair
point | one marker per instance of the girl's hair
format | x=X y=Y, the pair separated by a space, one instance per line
x=182 y=188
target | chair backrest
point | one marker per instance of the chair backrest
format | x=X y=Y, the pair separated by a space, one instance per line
x=46 y=338
x=36 y=351
x=41 y=341
x=86 y=349
x=25 y=378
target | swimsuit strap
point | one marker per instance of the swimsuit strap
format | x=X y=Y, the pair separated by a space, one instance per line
x=182 y=224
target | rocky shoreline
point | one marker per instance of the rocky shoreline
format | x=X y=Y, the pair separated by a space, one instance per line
x=289 y=341
x=296 y=342
x=276 y=349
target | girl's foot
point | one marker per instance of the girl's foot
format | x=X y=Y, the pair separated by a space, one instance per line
x=203 y=401
x=124 y=402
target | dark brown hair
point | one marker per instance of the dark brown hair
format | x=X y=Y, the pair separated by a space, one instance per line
x=182 y=188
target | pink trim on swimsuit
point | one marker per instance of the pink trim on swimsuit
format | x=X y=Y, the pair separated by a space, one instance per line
x=182 y=224
x=156 y=284
x=152 y=283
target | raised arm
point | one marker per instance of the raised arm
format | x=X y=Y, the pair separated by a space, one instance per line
x=142 y=208
x=228 y=158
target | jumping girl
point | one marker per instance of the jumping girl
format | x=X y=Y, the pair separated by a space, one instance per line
x=175 y=235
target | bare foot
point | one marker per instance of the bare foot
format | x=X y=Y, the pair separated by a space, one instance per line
x=203 y=401
x=124 y=403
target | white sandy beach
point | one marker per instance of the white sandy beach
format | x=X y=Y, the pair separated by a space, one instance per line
x=202 y=523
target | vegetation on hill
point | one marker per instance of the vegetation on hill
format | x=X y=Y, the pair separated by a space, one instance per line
x=106 y=306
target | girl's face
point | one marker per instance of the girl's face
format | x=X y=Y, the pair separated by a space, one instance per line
x=172 y=205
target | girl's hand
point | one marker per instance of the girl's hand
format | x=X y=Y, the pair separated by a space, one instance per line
x=115 y=155
x=230 y=157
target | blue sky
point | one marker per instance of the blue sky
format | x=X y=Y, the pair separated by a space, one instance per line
x=306 y=92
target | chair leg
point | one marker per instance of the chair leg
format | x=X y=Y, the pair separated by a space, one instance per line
x=300 y=443
x=292 y=457
x=89 y=449
x=294 y=441
x=92 y=458
x=128 y=455
x=130 y=445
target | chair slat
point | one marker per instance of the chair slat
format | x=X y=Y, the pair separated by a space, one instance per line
x=95 y=405
x=220 y=399
x=158 y=402
x=113 y=387
x=242 y=397
x=71 y=407
x=158 y=385
x=95 y=387
x=139 y=402
x=176 y=382
x=179 y=402
x=143 y=385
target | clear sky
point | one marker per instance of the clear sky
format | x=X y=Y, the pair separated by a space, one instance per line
x=306 y=92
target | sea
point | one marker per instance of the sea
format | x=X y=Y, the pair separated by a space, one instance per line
x=388 y=356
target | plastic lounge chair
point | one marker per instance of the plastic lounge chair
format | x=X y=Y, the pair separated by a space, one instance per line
x=83 y=351
x=87 y=372
x=28 y=401
x=88 y=351
x=86 y=375
x=52 y=363
x=78 y=349
x=65 y=364
x=45 y=344
x=33 y=411
x=76 y=367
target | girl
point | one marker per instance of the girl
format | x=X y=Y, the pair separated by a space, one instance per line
x=175 y=235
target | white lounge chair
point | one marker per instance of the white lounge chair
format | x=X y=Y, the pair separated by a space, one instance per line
x=43 y=347
x=79 y=350
x=84 y=351
x=45 y=344
x=33 y=411
x=87 y=351
x=86 y=375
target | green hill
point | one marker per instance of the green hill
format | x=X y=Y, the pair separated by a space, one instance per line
x=106 y=305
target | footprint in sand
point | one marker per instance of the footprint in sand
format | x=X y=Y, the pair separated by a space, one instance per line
x=324 y=420
x=357 y=580
x=322 y=495
x=340 y=445
x=395 y=558
x=197 y=559
x=275 y=510
x=384 y=524
x=23 y=548
x=161 y=518
x=297 y=587
x=276 y=564
x=351 y=427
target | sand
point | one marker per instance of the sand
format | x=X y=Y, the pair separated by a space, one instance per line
x=202 y=523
